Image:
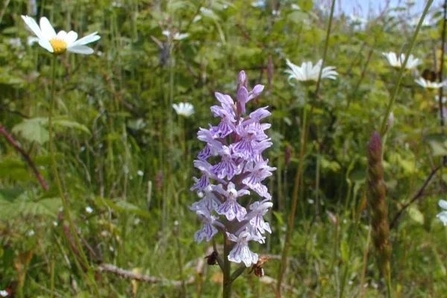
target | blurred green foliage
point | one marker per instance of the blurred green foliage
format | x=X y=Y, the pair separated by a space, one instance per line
x=125 y=157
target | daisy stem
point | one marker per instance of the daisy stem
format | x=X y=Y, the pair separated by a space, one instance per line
x=389 y=108
x=72 y=236
x=300 y=170
x=326 y=46
x=295 y=195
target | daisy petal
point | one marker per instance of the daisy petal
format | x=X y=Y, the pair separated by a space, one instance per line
x=442 y=217
x=86 y=39
x=46 y=45
x=442 y=204
x=32 y=25
x=80 y=49
x=46 y=28
x=71 y=38
x=62 y=35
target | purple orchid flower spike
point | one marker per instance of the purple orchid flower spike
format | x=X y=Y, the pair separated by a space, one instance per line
x=232 y=197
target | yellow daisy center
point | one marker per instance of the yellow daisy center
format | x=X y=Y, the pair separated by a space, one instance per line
x=59 y=46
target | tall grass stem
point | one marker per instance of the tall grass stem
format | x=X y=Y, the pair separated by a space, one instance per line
x=389 y=108
x=78 y=253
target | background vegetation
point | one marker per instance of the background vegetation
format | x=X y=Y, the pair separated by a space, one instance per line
x=125 y=158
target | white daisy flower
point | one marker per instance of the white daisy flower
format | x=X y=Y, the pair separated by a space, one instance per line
x=443 y=215
x=308 y=72
x=397 y=62
x=429 y=84
x=184 y=109
x=62 y=41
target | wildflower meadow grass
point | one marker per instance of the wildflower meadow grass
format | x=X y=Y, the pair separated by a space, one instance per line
x=222 y=149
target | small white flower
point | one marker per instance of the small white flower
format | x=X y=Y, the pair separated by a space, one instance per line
x=398 y=61
x=184 y=109
x=176 y=35
x=308 y=72
x=429 y=84
x=443 y=215
x=390 y=121
x=117 y=4
x=4 y=293
x=62 y=41
x=444 y=99
x=15 y=42
x=140 y=173
x=88 y=209
x=356 y=20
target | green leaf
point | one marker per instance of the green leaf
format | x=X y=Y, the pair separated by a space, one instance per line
x=329 y=164
x=416 y=215
x=344 y=251
x=121 y=206
x=33 y=130
x=437 y=143
x=23 y=205
x=65 y=123
x=13 y=168
x=306 y=5
x=279 y=218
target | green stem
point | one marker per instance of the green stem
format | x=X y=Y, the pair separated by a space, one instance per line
x=291 y=221
x=352 y=235
x=383 y=127
x=226 y=270
x=179 y=257
x=326 y=46
x=74 y=243
x=389 y=288
x=299 y=173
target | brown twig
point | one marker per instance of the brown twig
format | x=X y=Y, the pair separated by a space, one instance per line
x=199 y=268
x=415 y=197
x=25 y=155
x=140 y=277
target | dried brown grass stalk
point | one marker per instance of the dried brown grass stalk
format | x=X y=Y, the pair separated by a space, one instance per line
x=378 y=208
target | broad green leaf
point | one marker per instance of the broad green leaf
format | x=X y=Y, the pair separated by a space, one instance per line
x=415 y=214
x=13 y=168
x=331 y=165
x=437 y=143
x=33 y=130
x=25 y=206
